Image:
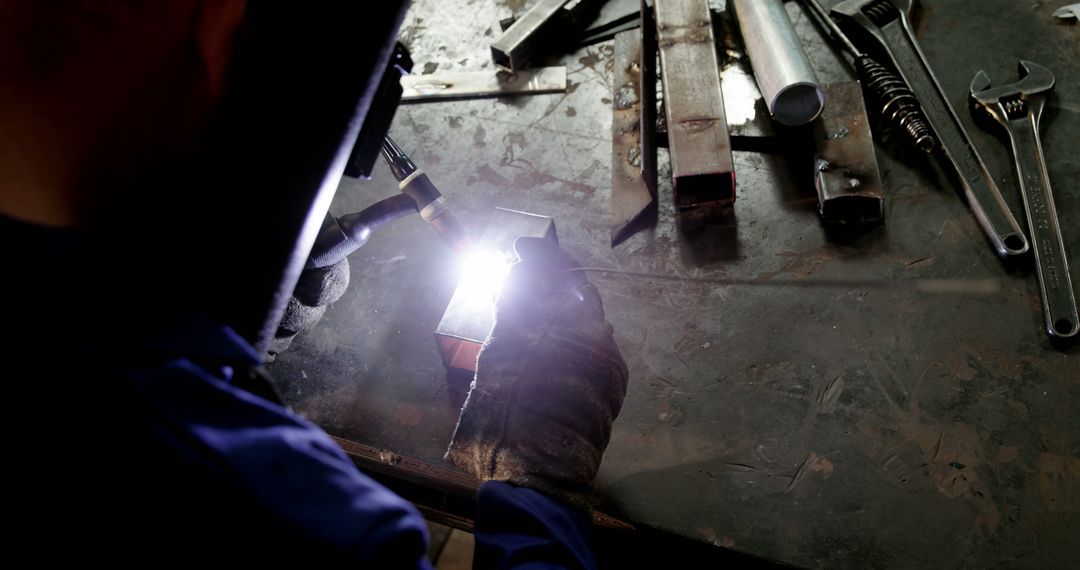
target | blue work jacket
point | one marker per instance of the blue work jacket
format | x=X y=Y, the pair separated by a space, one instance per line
x=135 y=445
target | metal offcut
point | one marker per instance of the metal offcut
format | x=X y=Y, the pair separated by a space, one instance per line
x=846 y=172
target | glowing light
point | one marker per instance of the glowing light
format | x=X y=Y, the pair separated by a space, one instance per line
x=482 y=274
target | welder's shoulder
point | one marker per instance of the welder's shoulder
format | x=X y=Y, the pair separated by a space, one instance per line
x=266 y=475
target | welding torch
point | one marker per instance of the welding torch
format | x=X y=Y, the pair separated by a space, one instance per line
x=338 y=237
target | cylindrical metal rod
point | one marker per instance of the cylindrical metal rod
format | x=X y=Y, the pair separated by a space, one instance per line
x=781 y=67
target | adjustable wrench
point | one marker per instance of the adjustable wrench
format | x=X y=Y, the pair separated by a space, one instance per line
x=882 y=27
x=1018 y=107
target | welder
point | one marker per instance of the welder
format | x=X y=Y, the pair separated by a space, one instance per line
x=133 y=245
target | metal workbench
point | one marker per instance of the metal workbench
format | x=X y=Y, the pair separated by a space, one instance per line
x=823 y=428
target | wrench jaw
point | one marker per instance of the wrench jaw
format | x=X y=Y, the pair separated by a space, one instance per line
x=986 y=105
x=979 y=84
x=1016 y=100
x=1034 y=78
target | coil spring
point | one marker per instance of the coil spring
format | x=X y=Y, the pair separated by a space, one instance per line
x=897 y=104
x=880 y=12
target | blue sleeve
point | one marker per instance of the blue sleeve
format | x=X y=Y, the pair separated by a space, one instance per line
x=517 y=527
x=284 y=465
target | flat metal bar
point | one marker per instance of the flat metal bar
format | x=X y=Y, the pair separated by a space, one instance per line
x=846 y=172
x=474 y=84
x=633 y=144
x=702 y=169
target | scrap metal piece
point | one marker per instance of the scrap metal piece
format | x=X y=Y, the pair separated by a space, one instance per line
x=702 y=169
x=633 y=145
x=1068 y=11
x=782 y=70
x=473 y=84
x=846 y=171
x=1019 y=107
x=548 y=22
x=883 y=27
x=469 y=317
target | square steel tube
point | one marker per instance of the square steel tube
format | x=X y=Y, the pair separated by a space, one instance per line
x=547 y=25
x=702 y=169
x=514 y=48
x=468 y=320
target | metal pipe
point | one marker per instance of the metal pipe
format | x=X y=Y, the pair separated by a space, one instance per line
x=780 y=65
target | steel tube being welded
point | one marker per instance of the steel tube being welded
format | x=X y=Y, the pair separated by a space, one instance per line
x=780 y=65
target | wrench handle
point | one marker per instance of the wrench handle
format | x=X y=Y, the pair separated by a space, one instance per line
x=982 y=194
x=1051 y=263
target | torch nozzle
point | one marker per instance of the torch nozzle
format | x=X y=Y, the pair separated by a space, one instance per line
x=400 y=164
x=415 y=183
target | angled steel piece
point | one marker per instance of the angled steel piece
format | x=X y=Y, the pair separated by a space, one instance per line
x=633 y=125
x=883 y=28
x=702 y=169
x=1019 y=107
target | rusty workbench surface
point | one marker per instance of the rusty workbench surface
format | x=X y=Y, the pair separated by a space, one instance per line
x=819 y=427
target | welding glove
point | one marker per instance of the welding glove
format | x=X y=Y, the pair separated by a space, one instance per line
x=315 y=290
x=549 y=381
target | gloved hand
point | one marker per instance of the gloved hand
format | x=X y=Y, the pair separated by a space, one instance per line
x=549 y=382
x=315 y=289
